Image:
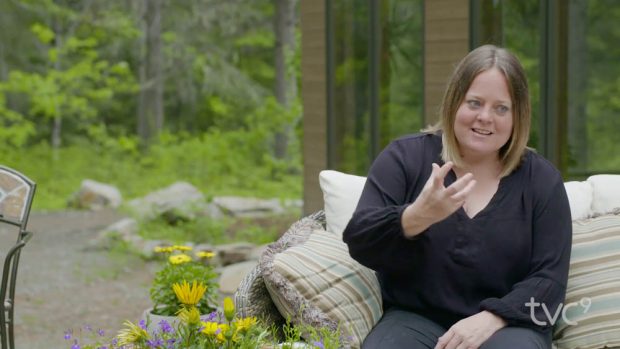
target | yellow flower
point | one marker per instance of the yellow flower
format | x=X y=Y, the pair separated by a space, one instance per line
x=224 y=334
x=229 y=309
x=132 y=334
x=205 y=254
x=179 y=259
x=245 y=323
x=159 y=249
x=181 y=248
x=189 y=295
x=189 y=316
x=210 y=328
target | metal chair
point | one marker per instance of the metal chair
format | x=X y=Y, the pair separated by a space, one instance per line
x=16 y=194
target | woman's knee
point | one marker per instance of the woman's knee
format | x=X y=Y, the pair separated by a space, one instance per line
x=518 y=338
x=403 y=329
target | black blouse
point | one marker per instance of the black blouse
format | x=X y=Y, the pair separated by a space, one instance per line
x=515 y=250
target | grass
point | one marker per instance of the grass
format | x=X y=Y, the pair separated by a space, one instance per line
x=217 y=163
x=226 y=230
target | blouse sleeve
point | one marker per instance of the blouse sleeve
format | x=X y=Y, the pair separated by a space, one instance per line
x=374 y=234
x=545 y=284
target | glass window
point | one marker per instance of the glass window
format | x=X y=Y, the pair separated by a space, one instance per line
x=349 y=118
x=593 y=87
x=514 y=24
x=587 y=141
x=375 y=67
x=402 y=75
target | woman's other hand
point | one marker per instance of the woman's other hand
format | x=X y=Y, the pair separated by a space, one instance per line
x=436 y=202
x=471 y=332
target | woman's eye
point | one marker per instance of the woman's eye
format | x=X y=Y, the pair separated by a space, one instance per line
x=502 y=109
x=473 y=103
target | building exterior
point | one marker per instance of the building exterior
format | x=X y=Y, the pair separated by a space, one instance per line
x=373 y=70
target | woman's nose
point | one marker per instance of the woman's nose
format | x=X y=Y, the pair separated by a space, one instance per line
x=484 y=115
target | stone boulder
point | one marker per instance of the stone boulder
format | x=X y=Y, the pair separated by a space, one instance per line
x=232 y=275
x=179 y=202
x=234 y=253
x=236 y=206
x=95 y=196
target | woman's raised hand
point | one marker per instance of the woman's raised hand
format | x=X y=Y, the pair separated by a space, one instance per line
x=436 y=202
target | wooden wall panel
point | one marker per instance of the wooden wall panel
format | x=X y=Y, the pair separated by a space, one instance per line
x=314 y=98
x=446 y=41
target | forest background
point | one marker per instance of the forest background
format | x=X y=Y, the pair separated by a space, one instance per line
x=140 y=94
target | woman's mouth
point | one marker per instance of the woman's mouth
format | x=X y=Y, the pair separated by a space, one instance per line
x=482 y=132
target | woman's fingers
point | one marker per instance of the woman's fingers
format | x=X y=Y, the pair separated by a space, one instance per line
x=462 y=193
x=459 y=184
x=439 y=173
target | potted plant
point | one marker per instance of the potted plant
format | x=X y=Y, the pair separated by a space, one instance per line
x=218 y=330
x=180 y=266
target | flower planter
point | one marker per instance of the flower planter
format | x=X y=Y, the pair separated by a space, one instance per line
x=154 y=320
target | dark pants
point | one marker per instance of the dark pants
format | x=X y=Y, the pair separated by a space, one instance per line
x=403 y=329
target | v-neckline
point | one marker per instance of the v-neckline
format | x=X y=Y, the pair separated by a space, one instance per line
x=489 y=206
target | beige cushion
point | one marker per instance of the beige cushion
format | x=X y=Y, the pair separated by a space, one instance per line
x=317 y=283
x=593 y=286
x=341 y=192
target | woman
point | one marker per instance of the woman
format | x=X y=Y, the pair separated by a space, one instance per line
x=467 y=228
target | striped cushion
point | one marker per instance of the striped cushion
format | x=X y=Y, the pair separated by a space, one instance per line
x=319 y=284
x=593 y=286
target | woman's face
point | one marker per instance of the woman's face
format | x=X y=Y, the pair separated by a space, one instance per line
x=483 y=122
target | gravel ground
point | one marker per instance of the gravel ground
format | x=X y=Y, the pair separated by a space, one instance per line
x=62 y=284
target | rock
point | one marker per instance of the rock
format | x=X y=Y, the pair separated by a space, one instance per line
x=178 y=202
x=211 y=210
x=257 y=252
x=147 y=249
x=234 y=253
x=214 y=261
x=296 y=204
x=95 y=196
x=125 y=229
x=233 y=274
x=248 y=207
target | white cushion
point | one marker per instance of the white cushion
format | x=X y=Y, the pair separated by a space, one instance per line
x=341 y=192
x=605 y=193
x=580 y=199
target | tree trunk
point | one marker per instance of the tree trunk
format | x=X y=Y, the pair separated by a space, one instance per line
x=150 y=104
x=57 y=122
x=285 y=82
x=4 y=71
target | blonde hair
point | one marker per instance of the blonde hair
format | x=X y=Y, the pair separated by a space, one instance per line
x=477 y=61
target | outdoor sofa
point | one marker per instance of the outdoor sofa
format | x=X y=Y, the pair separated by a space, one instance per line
x=308 y=275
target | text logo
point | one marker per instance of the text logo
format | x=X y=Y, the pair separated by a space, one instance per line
x=585 y=303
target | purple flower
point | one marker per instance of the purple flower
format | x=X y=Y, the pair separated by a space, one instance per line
x=75 y=345
x=165 y=326
x=171 y=342
x=101 y=332
x=68 y=334
x=210 y=317
x=102 y=347
x=142 y=324
x=318 y=344
x=154 y=343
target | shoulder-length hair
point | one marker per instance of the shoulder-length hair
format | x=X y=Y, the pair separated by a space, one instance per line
x=477 y=61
